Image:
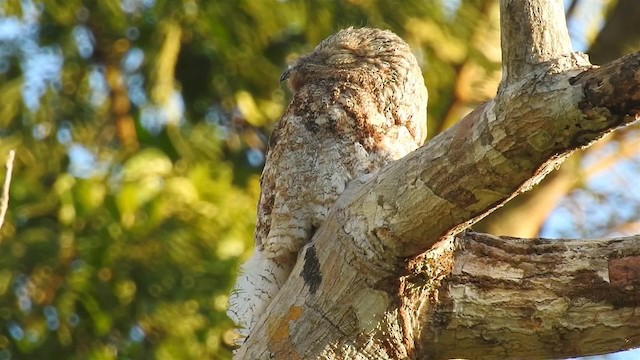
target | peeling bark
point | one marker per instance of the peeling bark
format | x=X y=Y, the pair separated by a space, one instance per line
x=536 y=298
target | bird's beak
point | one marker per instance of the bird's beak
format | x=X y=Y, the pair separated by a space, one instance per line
x=285 y=75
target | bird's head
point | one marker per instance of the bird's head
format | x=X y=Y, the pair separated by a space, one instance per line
x=349 y=55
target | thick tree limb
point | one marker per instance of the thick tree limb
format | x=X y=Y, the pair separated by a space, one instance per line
x=545 y=299
x=366 y=287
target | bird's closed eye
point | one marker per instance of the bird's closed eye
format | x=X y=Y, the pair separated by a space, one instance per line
x=341 y=59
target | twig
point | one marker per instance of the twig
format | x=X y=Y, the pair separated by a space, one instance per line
x=4 y=201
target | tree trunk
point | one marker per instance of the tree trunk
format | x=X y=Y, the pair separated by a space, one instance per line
x=385 y=277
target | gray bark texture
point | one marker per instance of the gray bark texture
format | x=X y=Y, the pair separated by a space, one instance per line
x=393 y=273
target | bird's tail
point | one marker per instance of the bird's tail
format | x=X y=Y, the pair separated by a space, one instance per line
x=259 y=281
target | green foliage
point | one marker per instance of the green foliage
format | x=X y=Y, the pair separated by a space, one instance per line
x=148 y=247
x=136 y=179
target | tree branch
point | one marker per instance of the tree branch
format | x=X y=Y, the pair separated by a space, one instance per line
x=4 y=201
x=534 y=298
x=354 y=291
x=501 y=149
x=533 y=32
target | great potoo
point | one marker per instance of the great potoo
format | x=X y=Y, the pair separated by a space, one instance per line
x=359 y=102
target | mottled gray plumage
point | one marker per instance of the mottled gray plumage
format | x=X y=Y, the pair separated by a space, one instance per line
x=359 y=102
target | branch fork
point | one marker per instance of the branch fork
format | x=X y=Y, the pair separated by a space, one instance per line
x=391 y=274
